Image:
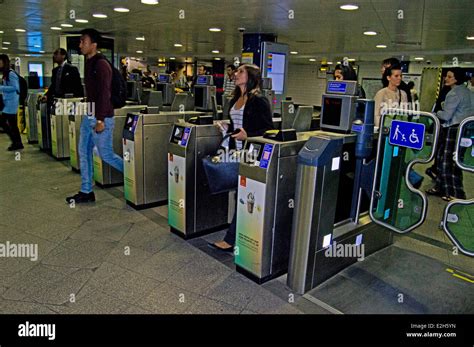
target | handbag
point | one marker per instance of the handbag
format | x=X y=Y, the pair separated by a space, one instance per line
x=222 y=171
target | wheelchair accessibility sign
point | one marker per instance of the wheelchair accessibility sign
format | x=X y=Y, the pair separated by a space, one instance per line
x=407 y=134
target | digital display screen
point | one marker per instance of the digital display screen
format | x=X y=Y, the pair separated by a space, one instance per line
x=131 y=123
x=267 y=152
x=38 y=68
x=276 y=71
x=163 y=78
x=202 y=80
x=198 y=97
x=336 y=87
x=178 y=134
x=331 y=114
x=254 y=151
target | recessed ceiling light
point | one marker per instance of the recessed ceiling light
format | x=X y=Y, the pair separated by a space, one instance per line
x=27 y=55
x=329 y=63
x=215 y=51
x=419 y=58
x=215 y=30
x=381 y=46
x=178 y=45
x=370 y=33
x=139 y=52
x=65 y=25
x=217 y=58
x=6 y=43
x=172 y=58
x=1 y=31
x=294 y=52
x=150 y=2
x=99 y=15
x=82 y=21
x=5 y=48
x=470 y=37
x=142 y=38
x=351 y=59
x=56 y=28
x=349 y=7
x=312 y=59
x=42 y=52
x=121 y=9
x=20 y=30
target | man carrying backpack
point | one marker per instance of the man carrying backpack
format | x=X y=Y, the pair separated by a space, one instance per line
x=10 y=88
x=96 y=129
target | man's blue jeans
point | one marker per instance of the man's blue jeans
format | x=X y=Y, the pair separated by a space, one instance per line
x=103 y=141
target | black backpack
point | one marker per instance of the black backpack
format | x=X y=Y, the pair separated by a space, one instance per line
x=23 y=88
x=119 y=87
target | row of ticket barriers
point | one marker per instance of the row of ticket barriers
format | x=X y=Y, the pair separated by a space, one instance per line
x=299 y=193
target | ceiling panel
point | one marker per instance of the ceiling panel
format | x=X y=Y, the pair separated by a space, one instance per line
x=319 y=27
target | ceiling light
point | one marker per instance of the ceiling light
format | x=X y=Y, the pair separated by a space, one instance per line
x=20 y=30
x=470 y=37
x=150 y=2
x=99 y=15
x=139 y=52
x=349 y=7
x=294 y=52
x=82 y=21
x=312 y=59
x=351 y=59
x=142 y=38
x=370 y=33
x=42 y=52
x=1 y=31
x=381 y=46
x=172 y=58
x=329 y=63
x=6 y=43
x=215 y=30
x=5 y=48
x=121 y=9
x=215 y=51
x=65 y=25
x=419 y=58
x=56 y=28
x=217 y=58
x=27 y=55
x=178 y=45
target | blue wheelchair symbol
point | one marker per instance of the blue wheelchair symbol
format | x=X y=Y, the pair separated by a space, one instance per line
x=407 y=134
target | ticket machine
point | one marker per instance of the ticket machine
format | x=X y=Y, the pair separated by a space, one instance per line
x=43 y=120
x=192 y=209
x=204 y=93
x=31 y=115
x=166 y=87
x=63 y=108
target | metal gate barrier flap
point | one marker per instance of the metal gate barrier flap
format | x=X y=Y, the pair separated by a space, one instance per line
x=458 y=217
x=405 y=138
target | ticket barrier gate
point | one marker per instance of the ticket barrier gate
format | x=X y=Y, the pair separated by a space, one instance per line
x=104 y=174
x=31 y=115
x=265 y=203
x=192 y=210
x=145 y=148
x=43 y=126
x=457 y=220
x=62 y=109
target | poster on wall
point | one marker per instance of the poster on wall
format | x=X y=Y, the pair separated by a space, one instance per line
x=250 y=217
x=176 y=192
x=247 y=58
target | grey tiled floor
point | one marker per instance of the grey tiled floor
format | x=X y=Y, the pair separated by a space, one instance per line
x=83 y=266
x=109 y=258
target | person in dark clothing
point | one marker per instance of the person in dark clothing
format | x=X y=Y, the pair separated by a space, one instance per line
x=250 y=112
x=347 y=73
x=10 y=88
x=97 y=128
x=387 y=63
x=65 y=78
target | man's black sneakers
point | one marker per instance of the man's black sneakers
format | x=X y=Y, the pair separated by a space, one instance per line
x=15 y=147
x=80 y=198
